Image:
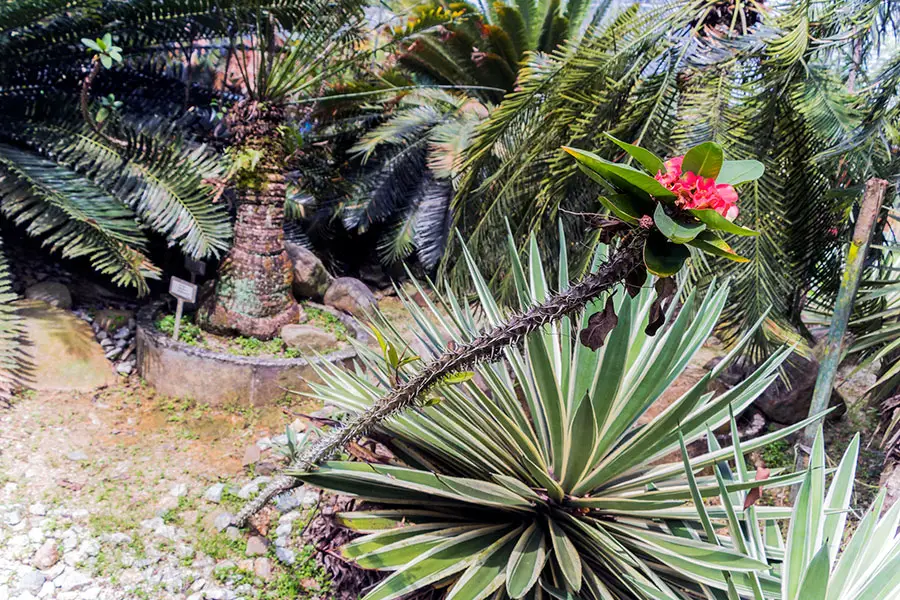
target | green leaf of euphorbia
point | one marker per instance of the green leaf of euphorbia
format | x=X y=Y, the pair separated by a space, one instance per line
x=711 y=243
x=717 y=222
x=673 y=230
x=704 y=160
x=91 y=44
x=647 y=159
x=526 y=562
x=662 y=257
x=735 y=172
x=625 y=178
x=624 y=207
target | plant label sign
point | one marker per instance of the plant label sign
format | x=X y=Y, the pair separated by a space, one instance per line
x=184 y=291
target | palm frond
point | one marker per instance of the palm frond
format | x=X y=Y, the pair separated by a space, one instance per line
x=14 y=360
x=73 y=216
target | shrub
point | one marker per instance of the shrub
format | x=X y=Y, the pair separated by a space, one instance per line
x=539 y=478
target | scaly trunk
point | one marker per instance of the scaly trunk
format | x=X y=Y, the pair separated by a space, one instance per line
x=253 y=289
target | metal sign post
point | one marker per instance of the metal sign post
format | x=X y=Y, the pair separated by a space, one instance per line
x=197 y=268
x=184 y=291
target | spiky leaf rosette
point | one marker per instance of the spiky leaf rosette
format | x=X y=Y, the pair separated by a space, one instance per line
x=545 y=474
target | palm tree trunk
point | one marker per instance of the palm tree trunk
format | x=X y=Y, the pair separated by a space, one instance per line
x=253 y=289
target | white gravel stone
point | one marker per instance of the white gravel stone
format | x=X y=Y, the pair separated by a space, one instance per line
x=38 y=509
x=179 y=490
x=72 y=579
x=214 y=493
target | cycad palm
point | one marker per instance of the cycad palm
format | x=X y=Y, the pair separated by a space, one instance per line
x=411 y=160
x=94 y=193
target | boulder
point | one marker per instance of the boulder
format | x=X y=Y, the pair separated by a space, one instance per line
x=311 y=279
x=308 y=338
x=787 y=403
x=51 y=292
x=351 y=296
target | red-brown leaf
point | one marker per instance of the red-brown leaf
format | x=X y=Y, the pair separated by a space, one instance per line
x=755 y=494
x=599 y=326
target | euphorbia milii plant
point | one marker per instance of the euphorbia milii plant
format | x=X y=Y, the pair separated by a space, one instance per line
x=685 y=200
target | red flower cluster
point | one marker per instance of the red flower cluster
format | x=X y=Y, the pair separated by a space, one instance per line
x=693 y=191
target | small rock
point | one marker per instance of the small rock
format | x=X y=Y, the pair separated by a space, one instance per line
x=286 y=502
x=308 y=338
x=90 y=547
x=31 y=581
x=251 y=455
x=38 y=509
x=233 y=532
x=284 y=528
x=101 y=335
x=263 y=568
x=246 y=492
x=36 y=535
x=52 y=292
x=256 y=546
x=47 y=590
x=122 y=333
x=112 y=354
x=285 y=556
x=299 y=425
x=282 y=542
x=266 y=468
x=13 y=518
x=179 y=490
x=117 y=538
x=72 y=579
x=223 y=520
x=351 y=296
x=125 y=368
x=46 y=556
x=214 y=493
x=310 y=498
x=77 y=456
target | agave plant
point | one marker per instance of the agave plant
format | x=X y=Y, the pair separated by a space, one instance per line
x=544 y=475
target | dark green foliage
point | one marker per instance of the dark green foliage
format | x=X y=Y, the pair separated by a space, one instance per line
x=785 y=91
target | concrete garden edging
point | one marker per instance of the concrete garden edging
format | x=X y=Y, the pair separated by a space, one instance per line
x=180 y=370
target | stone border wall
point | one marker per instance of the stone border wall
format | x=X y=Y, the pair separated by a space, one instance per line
x=180 y=370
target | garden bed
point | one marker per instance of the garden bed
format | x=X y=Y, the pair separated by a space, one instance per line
x=219 y=371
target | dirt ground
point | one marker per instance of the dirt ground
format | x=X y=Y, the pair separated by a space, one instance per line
x=124 y=462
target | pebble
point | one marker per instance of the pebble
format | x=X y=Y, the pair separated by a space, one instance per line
x=13 y=518
x=256 y=546
x=285 y=556
x=46 y=556
x=77 y=456
x=263 y=568
x=287 y=501
x=223 y=520
x=31 y=581
x=72 y=579
x=179 y=490
x=38 y=509
x=125 y=368
x=214 y=493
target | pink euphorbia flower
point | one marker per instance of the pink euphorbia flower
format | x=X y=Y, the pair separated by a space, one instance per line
x=693 y=191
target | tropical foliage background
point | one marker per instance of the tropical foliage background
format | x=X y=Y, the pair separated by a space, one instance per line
x=132 y=130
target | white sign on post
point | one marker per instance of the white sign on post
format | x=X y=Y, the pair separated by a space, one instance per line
x=184 y=291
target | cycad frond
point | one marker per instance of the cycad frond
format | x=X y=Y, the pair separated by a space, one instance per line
x=14 y=361
x=154 y=174
x=73 y=216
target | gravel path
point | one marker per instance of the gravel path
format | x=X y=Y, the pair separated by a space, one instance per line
x=123 y=495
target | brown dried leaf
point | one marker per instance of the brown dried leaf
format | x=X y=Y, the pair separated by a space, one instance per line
x=665 y=291
x=599 y=326
x=755 y=494
x=635 y=280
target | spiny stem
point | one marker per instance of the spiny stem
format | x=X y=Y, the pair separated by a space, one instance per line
x=487 y=347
